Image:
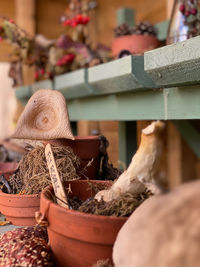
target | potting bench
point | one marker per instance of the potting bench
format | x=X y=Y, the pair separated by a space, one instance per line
x=162 y=84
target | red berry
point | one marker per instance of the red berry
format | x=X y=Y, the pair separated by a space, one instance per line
x=1 y=38
x=74 y=23
x=70 y=57
x=58 y=63
x=67 y=22
x=194 y=11
x=182 y=8
x=42 y=71
x=36 y=75
x=79 y=18
x=187 y=13
x=85 y=20
x=11 y=20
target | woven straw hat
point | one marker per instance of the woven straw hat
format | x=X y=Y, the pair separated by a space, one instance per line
x=45 y=117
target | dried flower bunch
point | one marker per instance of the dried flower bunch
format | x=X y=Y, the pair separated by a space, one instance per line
x=142 y=28
x=190 y=12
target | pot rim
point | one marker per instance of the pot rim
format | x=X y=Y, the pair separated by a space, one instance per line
x=2 y=194
x=79 y=213
x=79 y=138
x=136 y=35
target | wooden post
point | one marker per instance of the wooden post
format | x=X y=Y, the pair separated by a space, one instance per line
x=25 y=15
x=169 y=7
x=25 y=19
x=174 y=156
x=125 y=15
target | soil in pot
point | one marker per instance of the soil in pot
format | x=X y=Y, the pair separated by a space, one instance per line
x=75 y=232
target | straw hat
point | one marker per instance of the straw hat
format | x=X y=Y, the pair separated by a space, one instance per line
x=45 y=117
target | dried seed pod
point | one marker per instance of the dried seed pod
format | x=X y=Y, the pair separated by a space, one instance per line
x=144 y=28
x=121 y=30
x=25 y=247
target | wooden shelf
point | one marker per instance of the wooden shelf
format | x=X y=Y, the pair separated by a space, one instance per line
x=131 y=88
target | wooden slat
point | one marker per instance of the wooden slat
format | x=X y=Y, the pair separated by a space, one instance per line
x=73 y=84
x=46 y=84
x=119 y=75
x=176 y=64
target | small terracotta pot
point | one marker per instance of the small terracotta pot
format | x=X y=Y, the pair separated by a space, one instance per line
x=6 y=168
x=18 y=209
x=135 y=44
x=76 y=238
x=86 y=148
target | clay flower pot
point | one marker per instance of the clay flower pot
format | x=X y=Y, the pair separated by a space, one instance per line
x=18 y=209
x=7 y=168
x=76 y=238
x=135 y=44
x=86 y=148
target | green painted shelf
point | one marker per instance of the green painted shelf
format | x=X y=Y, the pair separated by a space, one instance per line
x=131 y=88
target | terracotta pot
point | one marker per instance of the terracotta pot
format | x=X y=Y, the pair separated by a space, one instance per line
x=19 y=209
x=76 y=238
x=86 y=148
x=135 y=44
x=7 y=168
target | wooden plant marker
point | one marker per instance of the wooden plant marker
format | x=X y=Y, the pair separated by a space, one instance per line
x=55 y=178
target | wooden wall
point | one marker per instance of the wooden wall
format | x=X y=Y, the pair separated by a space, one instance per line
x=47 y=14
x=7 y=8
x=146 y=10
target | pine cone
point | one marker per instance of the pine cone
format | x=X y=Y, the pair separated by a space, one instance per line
x=144 y=28
x=121 y=30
